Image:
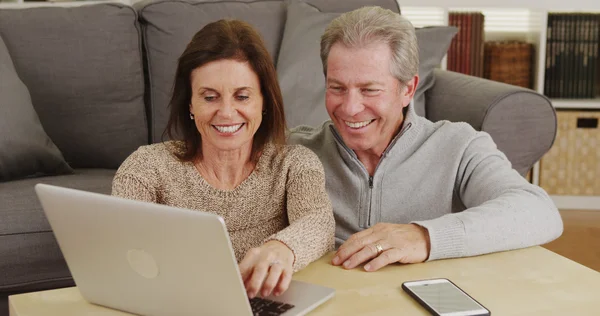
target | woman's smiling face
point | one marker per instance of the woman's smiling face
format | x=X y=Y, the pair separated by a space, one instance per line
x=227 y=104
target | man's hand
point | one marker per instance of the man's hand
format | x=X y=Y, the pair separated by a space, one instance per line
x=383 y=244
x=267 y=269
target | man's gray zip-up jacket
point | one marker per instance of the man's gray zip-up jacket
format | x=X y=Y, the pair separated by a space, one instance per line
x=444 y=176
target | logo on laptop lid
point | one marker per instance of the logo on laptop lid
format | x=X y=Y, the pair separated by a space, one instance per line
x=142 y=263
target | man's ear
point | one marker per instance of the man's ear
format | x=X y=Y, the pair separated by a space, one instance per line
x=411 y=87
x=408 y=91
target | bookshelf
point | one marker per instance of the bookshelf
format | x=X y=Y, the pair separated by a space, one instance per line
x=524 y=21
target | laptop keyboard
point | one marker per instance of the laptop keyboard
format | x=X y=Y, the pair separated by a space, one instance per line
x=264 y=307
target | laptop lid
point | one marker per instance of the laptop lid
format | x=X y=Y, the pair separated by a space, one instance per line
x=145 y=258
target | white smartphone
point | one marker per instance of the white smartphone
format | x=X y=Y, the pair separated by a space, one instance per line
x=443 y=298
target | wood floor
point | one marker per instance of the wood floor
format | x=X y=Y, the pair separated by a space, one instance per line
x=580 y=240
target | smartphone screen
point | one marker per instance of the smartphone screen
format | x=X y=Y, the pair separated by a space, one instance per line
x=445 y=298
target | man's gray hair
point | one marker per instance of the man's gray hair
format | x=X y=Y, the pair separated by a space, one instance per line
x=367 y=25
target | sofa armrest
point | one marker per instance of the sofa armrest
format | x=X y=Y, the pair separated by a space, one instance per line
x=521 y=122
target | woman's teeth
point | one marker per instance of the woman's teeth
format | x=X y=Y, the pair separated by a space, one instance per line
x=228 y=129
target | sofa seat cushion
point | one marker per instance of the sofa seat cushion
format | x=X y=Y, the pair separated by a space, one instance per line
x=30 y=254
x=20 y=211
x=83 y=68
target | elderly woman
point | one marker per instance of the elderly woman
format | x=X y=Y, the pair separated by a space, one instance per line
x=231 y=159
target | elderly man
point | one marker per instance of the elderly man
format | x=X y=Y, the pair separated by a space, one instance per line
x=405 y=189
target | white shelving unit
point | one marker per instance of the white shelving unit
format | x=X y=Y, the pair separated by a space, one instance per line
x=516 y=20
x=570 y=202
x=591 y=104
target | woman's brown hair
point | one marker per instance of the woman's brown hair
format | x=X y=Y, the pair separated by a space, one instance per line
x=225 y=39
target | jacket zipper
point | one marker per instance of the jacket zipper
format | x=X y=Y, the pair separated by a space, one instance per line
x=370 y=198
x=392 y=143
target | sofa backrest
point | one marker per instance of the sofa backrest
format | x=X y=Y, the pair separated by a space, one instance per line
x=349 y=5
x=100 y=74
x=168 y=26
x=83 y=68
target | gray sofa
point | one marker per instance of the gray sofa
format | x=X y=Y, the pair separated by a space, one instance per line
x=99 y=78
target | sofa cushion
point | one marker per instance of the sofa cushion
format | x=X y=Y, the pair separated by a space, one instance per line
x=25 y=149
x=169 y=25
x=300 y=69
x=83 y=67
x=31 y=260
x=433 y=44
x=349 y=5
x=20 y=211
x=30 y=252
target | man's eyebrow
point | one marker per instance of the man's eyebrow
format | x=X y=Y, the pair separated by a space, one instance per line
x=362 y=84
x=370 y=83
x=334 y=81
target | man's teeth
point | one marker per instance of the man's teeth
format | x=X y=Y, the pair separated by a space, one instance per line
x=358 y=124
x=228 y=129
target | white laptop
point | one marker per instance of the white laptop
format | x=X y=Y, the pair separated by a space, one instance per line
x=152 y=259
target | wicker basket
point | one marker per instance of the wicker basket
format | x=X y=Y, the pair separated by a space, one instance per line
x=509 y=62
x=572 y=166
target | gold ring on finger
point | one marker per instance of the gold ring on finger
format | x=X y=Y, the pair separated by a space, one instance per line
x=379 y=249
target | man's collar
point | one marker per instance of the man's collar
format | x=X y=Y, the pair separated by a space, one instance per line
x=410 y=116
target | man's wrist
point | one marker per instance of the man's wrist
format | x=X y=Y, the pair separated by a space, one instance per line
x=425 y=234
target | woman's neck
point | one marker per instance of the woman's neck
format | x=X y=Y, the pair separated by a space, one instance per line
x=225 y=169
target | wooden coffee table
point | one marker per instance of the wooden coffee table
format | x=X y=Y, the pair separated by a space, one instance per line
x=532 y=281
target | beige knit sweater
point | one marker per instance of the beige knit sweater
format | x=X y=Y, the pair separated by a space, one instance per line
x=283 y=199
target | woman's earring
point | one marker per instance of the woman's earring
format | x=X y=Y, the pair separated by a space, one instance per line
x=264 y=112
x=191 y=116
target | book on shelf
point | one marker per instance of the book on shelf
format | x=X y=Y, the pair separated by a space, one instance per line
x=572 y=69
x=465 y=54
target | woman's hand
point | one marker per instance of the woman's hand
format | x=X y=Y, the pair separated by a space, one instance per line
x=267 y=269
